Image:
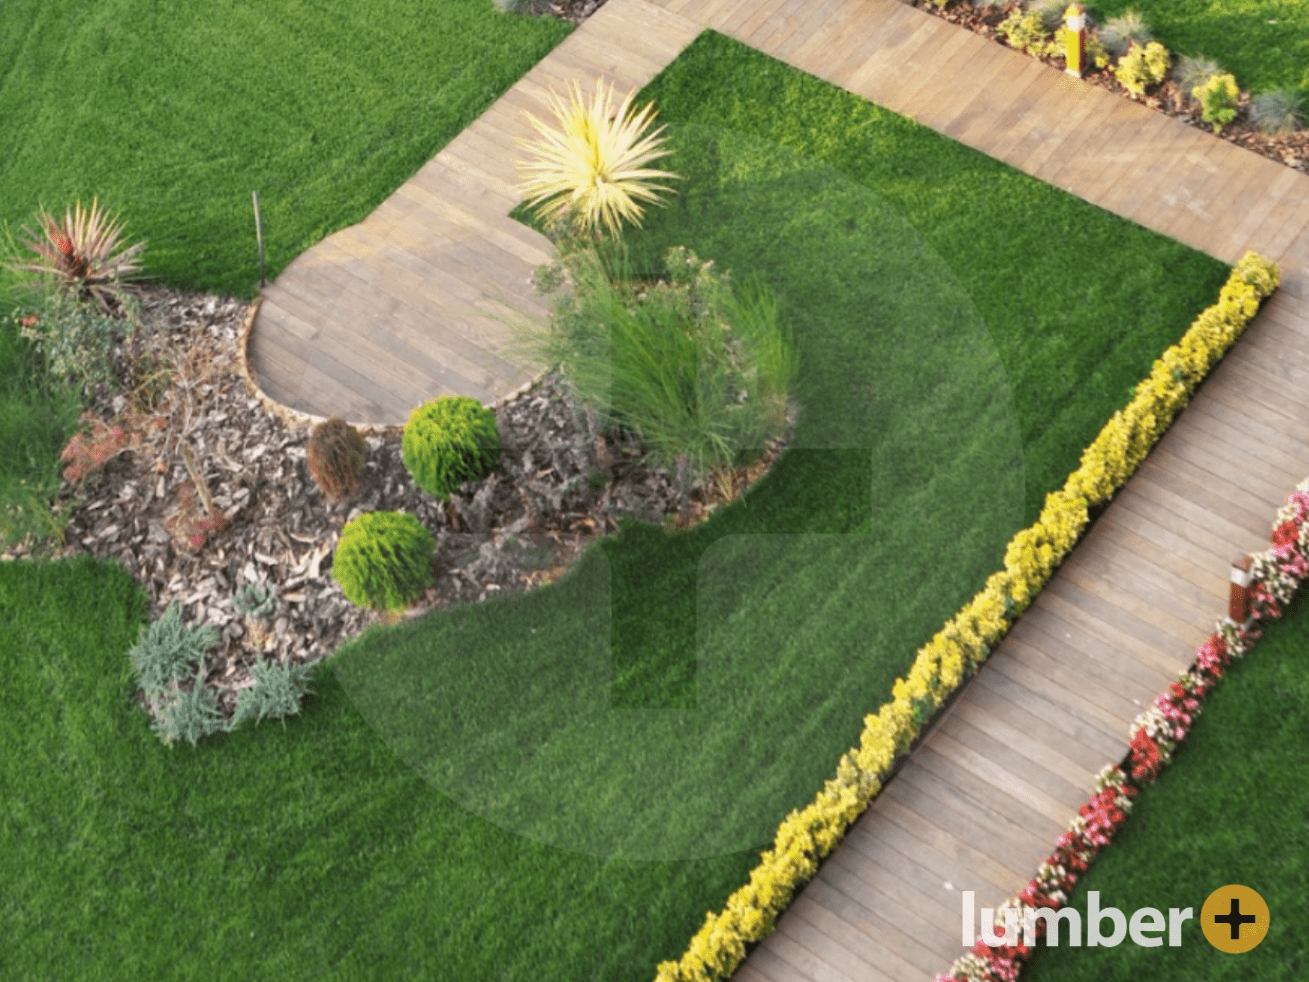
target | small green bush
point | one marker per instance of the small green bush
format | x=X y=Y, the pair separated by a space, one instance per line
x=384 y=560
x=449 y=441
x=1051 y=12
x=168 y=651
x=336 y=455
x=1193 y=71
x=1119 y=33
x=1025 y=30
x=1279 y=111
x=1142 y=67
x=276 y=693
x=1218 y=98
x=75 y=338
x=187 y=715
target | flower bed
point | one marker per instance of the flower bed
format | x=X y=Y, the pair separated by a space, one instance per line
x=1156 y=733
x=959 y=648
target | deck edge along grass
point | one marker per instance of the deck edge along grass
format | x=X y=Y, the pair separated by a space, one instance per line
x=955 y=653
x=1157 y=732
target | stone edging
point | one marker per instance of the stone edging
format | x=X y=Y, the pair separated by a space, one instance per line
x=294 y=418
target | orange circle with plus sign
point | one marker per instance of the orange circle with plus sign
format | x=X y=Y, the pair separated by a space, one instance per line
x=1234 y=919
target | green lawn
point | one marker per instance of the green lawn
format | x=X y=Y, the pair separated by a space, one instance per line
x=172 y=114
x=964 y=331
x=1264 y=43
x=1233 y=807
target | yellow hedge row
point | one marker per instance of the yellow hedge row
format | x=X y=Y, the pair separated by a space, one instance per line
x=806 y=836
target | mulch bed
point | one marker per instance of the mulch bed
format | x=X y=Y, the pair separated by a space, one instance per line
x=559 y=486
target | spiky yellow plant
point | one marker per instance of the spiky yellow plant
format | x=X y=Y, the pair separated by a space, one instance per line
x=592 y=169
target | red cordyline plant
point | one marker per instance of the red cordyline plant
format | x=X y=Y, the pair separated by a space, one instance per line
x=79 y=253
x=1155 y=735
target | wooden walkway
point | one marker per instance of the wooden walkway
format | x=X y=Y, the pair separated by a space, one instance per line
x=983 y=800
x=401 y=308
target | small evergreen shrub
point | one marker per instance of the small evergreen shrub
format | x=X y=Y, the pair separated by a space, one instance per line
x=1119 y=33
x=384 y=560
x=276 y=693
x=1025 y=31
x=187 y=715
x=449 y=441
x=1279 y=111
x=1051 y=12
x=76 y=338
x=1194 y=70
x=1142 y=67
x=1218 y=98
x=168 y=651
x=336 y=455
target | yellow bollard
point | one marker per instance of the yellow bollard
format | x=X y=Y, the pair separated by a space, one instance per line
x=1075 y=39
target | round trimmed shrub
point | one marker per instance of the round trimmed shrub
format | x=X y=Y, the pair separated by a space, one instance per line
x=336 y=455
x=384 y=560
x=449 y=441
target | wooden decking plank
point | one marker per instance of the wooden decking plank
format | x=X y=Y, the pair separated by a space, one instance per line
x=1034 y=794
x=995 y=62
x=1128 y=612
x=1163 y=571
x=1119 y=163
x=927 y=880
x=1182 y=562
x=973 y=784
x=820 y=16
x=1069 y=641
x=866 y=855
x=1286 y=312
x=1034 y=745
x=925 y=794
x=1173 y=143
x=1153 y=518
x=1109 y=711
x=890 y=927
x=1205 y=221
x=771 y=35
x=846 y=944
x=822 y=42
x=1265 y=202
x=903 y=97
x=990 y=61
x=1014 y=130
x=1081 y=146
x=1240 y=461
x=1015 y=759
x=1272 y=421
x=1073 y=116
x=1010 y=675
x=868 y=66
x=870 y=936
x=1269 y=372
x=1080 y=742
x=1202 y=496
x=810 y=966
x=1269 y=447
x=1218 y=474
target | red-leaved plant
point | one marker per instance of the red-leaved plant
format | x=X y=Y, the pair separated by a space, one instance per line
x=79 y=253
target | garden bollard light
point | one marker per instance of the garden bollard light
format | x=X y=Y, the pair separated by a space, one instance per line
x=1238 y=604
x=1075 y=39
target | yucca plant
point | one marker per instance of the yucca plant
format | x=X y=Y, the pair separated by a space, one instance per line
x=79 y=253
x=592 y=168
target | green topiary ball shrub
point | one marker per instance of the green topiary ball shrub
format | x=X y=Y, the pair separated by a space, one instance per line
x=449 y=441
x=336 y=455
x=384 y=560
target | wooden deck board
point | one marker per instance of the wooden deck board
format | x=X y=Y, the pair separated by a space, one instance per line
x=403 y=307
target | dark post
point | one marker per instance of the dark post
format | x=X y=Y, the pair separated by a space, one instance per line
x=259 y=236
x=1238 y=604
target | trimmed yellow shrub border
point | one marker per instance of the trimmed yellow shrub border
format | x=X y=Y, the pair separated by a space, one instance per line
x=806 y=836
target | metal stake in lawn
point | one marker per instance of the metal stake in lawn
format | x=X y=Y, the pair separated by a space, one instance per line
x=259 y=237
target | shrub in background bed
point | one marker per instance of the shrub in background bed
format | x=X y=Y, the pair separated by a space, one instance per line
x=1218 y=96
x=1194 y=70
x=1142 y=67
x=167 y=653
x=276 y=693
x=449 y=441
x=1119 y=33
x=1025 y=30
x=1279 y=111
x=76 y=338
x=384 y=560
x=336 y=454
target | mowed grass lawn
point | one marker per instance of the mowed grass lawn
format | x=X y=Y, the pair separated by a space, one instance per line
x=1233 y=807
x=964 y=331
x=1264 y=43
